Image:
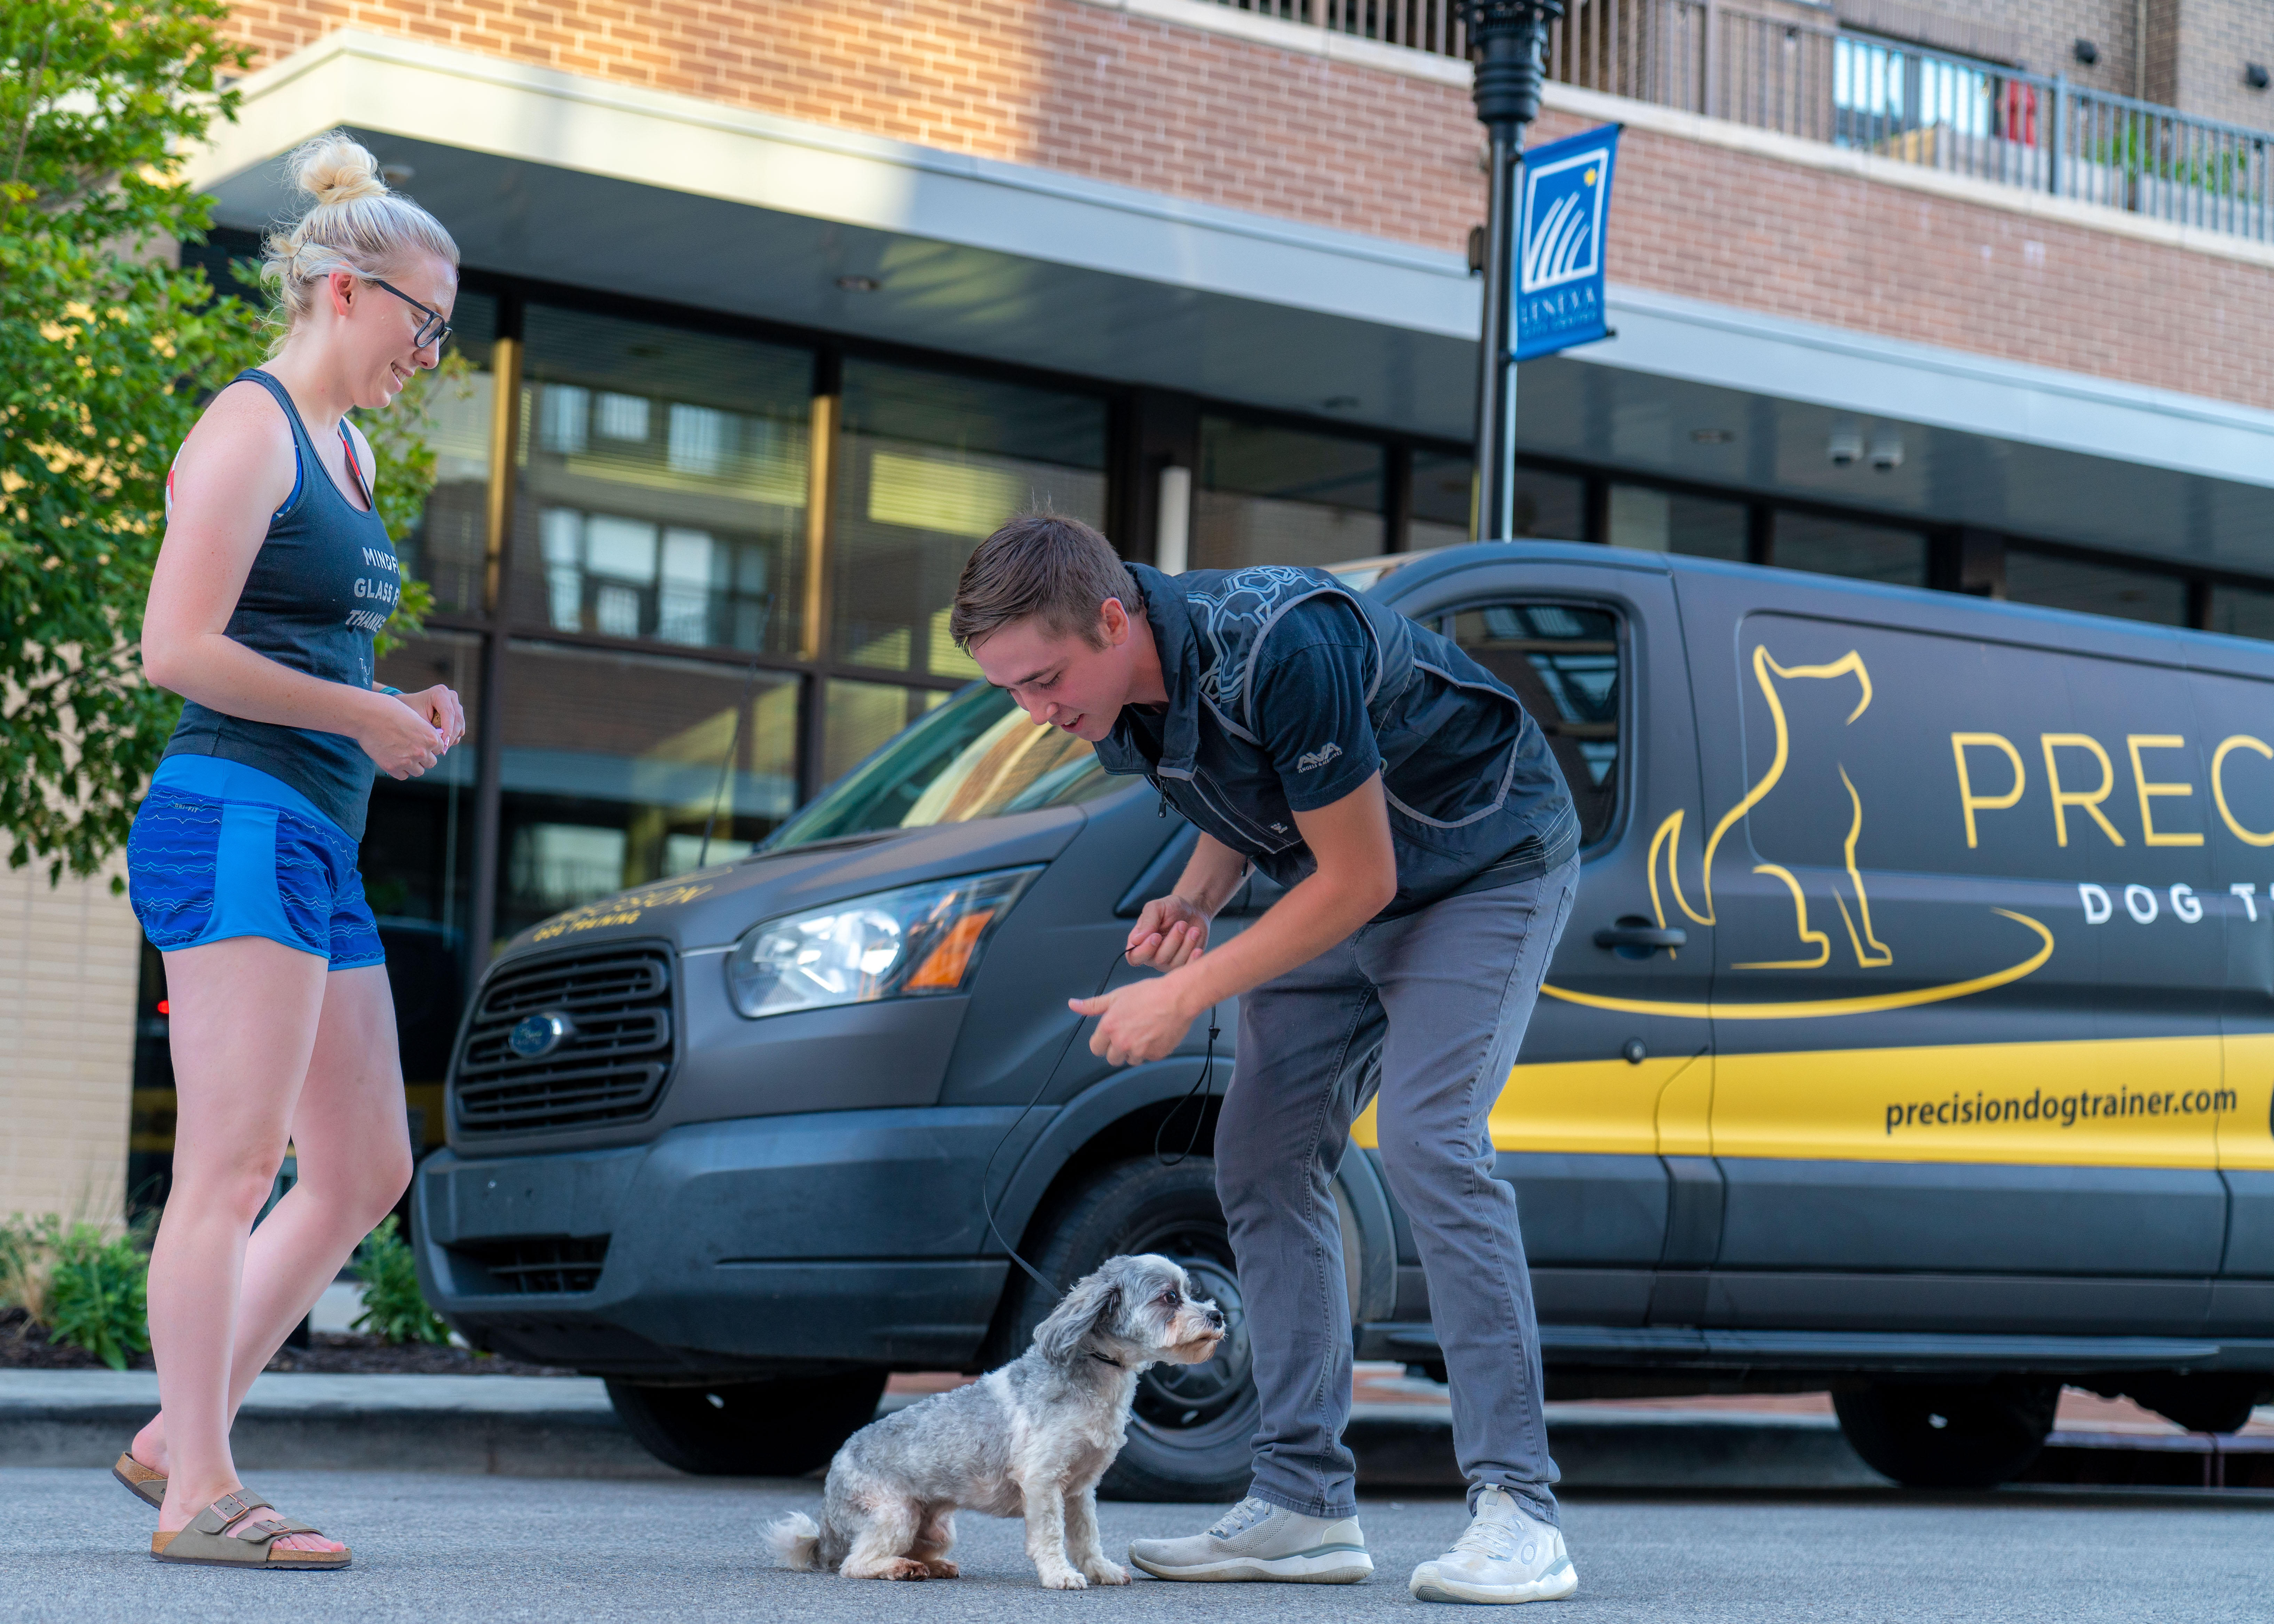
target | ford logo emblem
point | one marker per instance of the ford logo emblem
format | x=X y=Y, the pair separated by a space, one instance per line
x=536 y=1036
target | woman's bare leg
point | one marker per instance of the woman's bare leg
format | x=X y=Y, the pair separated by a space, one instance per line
x=244 y=1018
x=352 y=1146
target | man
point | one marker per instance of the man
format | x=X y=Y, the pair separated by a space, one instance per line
x=1426 y=841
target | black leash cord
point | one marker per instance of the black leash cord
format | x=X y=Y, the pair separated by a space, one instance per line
x=1208 y=1067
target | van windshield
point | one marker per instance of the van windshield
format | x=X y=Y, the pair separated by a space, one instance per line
x=975 y=757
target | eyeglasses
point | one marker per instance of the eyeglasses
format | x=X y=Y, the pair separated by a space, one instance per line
x=433 y=330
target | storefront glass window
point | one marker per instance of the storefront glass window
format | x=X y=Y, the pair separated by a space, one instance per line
x=417 y=841
x=1269 y=495
x=612 y=765
x=417 y=868
x=448 y=548
x=2094 y=588
x=929 y=466
x=1550 y=507
x=1669 y=521
x=1843 y=547
x=664 y=484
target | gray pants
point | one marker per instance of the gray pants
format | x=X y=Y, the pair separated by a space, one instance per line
x=1447 y=993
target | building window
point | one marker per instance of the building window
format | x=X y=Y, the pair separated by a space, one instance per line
x=2094 y=588
x=1664 y=521
x=1269 y=495
x=664 y=484
x=615 y=762
x=448 y=548
x=1843 y=547
x=931 y=465
x=1549 y=507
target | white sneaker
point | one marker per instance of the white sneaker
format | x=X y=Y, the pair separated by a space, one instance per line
x=1257 y=1541
x=1506 y=1556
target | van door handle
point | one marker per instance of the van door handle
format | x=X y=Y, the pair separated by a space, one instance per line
x=1636 y=938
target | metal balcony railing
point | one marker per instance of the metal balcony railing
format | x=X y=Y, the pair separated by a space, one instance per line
x=1896 y=100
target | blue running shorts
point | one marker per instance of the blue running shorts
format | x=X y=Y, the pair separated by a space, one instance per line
x=221 y=849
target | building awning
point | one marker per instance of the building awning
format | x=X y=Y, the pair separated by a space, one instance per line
x=552 y=177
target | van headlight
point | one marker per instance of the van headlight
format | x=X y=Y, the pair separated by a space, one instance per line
x=907 y=943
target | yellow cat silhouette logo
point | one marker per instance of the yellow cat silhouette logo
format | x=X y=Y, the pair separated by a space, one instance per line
x=1869 y=952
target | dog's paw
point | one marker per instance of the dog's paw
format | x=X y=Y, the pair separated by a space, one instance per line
x=940 y=1567
x=1102 y=1572
x=1064 y=1578
x=902 y=1567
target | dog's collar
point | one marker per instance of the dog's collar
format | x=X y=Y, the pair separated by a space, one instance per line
x=1101 y=1359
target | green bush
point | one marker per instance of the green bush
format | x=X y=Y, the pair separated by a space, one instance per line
x=94 y=1294
x=25 y=1246
x=393 y=1305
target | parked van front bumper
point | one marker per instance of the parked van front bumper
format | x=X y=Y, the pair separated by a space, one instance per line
x=773 y=1245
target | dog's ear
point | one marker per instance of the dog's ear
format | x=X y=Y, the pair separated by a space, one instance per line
x=1080 y=1312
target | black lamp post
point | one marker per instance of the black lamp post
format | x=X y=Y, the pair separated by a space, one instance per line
x=1509 y=39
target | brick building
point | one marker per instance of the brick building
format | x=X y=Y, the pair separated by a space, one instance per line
x=777 y=306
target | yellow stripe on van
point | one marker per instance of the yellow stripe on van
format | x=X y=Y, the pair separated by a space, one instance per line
x=2125 y=1102
x=2243 y=1139
x=2170 y=1102
x=1599 y=1106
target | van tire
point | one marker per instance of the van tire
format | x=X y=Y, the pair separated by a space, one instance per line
x=1930 y=1435
x=1140 y=1206
x=749 y=1429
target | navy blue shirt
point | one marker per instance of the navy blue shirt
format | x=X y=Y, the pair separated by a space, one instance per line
x=1310 y=700
x=1286 y=694
x=322 y=584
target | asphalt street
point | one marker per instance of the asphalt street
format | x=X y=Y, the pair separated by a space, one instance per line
x=436 y=1549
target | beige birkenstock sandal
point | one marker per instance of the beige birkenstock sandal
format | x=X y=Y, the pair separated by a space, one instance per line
x=204 y=1543
x=140 y=1481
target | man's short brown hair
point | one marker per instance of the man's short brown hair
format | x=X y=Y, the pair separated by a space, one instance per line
x=1040 y=566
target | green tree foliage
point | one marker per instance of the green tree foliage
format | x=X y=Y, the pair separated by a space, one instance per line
x=106 y=353
x=106 y=350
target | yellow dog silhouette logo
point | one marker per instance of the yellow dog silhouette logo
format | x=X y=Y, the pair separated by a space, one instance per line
x=1870 y=952
x=1849 y=892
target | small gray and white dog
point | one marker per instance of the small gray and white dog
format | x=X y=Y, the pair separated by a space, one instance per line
x=1030 y=1440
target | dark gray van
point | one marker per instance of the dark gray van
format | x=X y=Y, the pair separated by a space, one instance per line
x=1913 y=1039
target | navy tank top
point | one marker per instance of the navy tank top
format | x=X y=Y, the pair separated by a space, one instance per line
x=322 y=584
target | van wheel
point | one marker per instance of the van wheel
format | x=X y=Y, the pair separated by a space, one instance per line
x=1942 y=1436
x=749 y=1429
x=1191 y=1427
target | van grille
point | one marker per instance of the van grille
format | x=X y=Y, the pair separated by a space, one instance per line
x=609 y=1067
x=545 y=1265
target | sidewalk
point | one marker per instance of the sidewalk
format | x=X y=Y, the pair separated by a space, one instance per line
x=1401 y=1430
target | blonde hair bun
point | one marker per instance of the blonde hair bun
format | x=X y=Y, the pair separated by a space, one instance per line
x=356 y=224
x=337 y=168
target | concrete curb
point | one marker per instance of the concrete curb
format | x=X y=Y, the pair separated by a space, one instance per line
x=527 y=1426
x=514 y=1426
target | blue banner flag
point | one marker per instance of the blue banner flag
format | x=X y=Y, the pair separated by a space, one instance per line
x=1559 y=249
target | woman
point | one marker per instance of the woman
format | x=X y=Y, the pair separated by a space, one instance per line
x=273 y=575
